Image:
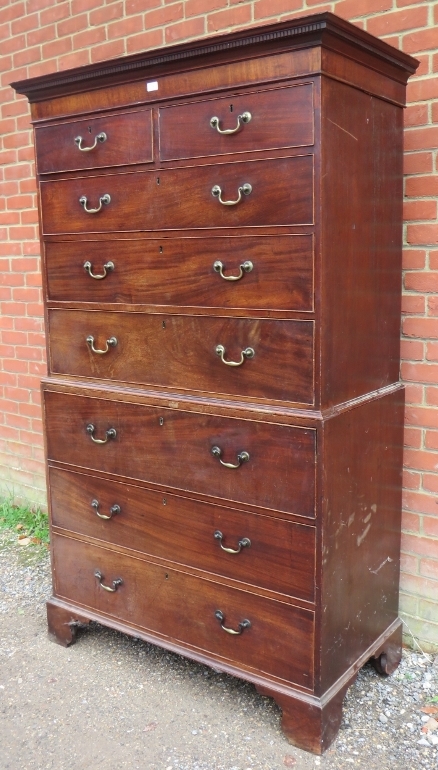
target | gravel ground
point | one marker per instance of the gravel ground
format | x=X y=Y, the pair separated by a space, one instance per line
x=112 y=701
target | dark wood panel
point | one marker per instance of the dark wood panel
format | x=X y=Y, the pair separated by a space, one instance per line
x=170 y=199
x=181 y=271
x=128 y=141
x=361 y=515
x=280 y=557
x=361 y=243
x=181 y=352
x=279 y=475
x=278 y=118
x=182 y=608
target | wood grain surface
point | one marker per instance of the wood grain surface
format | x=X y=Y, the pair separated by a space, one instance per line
x=129 y=141
x=179 y=271
x=280 y=557
x=180 y=352
x=266 y=130
x=180 y=607
x=172 y=199
x=280 y=473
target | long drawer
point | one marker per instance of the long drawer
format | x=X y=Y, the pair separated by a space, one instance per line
x=275 y=271
x=270 y=119
x=272 y=359
x=184 y=450
x=281 y=194
x=272 y=553
x=111 y=140
x=278 y=639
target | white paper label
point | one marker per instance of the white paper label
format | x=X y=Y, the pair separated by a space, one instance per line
x=152 y=86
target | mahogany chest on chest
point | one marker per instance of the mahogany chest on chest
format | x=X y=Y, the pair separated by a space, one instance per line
x=221 y=234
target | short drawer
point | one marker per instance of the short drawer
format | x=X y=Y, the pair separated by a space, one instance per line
x=267 y=120
x=272 y=271
x=111 y=140
x=178 y=450
x=275 y=554
x=260 y=358
x=171 y=199
x=278 y=639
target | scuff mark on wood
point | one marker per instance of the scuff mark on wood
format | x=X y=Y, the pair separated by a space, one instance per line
x=375 y=571
x=343 y=129
x=362 y=537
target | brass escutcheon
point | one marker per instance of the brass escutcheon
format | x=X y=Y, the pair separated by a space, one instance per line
x=241 y=627
x=242 y=457
x=104 y=199
x=216 y=191
x=107 y=268
x=110 y=343
x=102 y=137
x=116 y=583
x=247 y=353
x=245 y=267
x=113 y=510
x=111 y=433
x=245 y=117
x=245 y=542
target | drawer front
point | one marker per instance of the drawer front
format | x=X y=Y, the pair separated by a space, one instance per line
x=173 y=449
x=271 y=120
x=272 y=553
x=282 y=194
x=182 y=272
x=128 y=140
x=182 y=609
x=182 y=352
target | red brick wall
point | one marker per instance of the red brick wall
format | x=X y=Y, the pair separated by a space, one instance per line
x=40 y=36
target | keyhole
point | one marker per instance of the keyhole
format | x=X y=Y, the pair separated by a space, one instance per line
x=164 y=324
x=158 y=180
x=231 y=107
x=164 y=501
x=161 y=249
x=89 y=129
x=161 y=421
